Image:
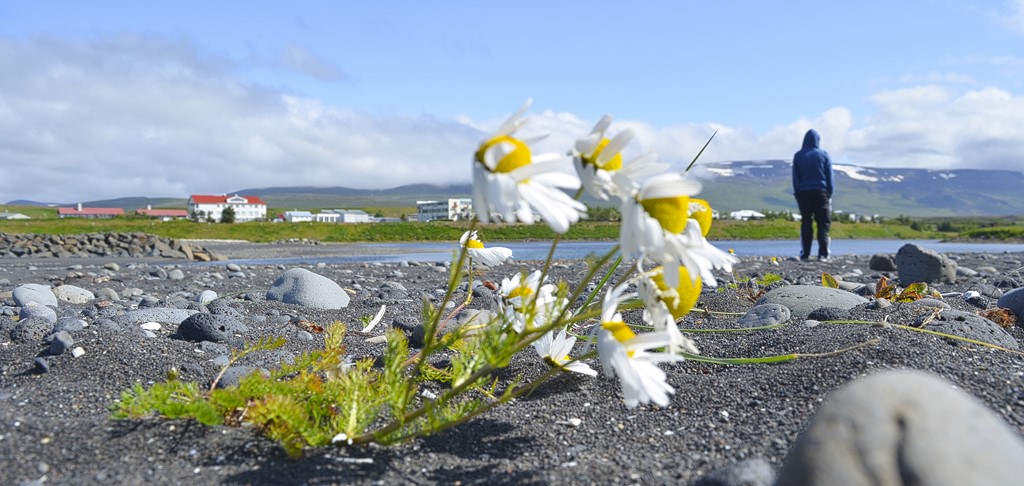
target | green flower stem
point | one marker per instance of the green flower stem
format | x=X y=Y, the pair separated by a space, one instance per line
x=782 y=358
x=604 y=280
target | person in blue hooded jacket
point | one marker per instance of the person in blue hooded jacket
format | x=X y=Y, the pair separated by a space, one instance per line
x=812 y=186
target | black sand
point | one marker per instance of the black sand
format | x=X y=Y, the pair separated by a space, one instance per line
x=55 y=427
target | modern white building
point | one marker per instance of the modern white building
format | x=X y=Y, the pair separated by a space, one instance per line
x=298 y=216
x=326 y=217
x=452 y=209
x=351 y=215
x=247 y=208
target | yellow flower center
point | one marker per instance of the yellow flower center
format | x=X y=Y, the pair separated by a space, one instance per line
x=619 y=330
x=521 y=291
x=518 y=157
x=671 y=212
x=702 y=215
x=474 y=244
x=615 y=163
x=681 y=299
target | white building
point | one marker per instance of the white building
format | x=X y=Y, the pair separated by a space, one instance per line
x=326 y=217
x=298 y=216
x=352 y=216
x=452 y=209
x=746 y=214
x=247 y=208
x=8 y=215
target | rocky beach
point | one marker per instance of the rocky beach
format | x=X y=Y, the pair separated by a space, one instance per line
x=867 y=400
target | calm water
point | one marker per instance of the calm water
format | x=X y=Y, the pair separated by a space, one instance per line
x=572 y=250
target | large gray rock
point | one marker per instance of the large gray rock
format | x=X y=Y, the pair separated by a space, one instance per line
x=302 y=287
x=917 y=264
x=904 y=427
x=1014 y=300
x=72 y=294
x=803 y=299
x=41 y=294
x=970 y=326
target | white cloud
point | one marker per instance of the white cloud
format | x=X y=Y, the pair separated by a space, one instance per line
x=135 y=115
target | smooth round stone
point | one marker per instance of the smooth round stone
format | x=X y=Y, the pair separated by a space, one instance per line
x=305 y=288
x=39 y=311
x=764 y=315
x=41 y=294
x=107 y=293
x=72 y=294
x=206 y=296
x=896 y=425
x=1013 y=300
x=801 y=300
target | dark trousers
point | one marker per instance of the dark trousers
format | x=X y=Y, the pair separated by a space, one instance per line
x=815 y=207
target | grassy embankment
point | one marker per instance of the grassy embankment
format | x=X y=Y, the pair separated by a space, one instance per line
x=45 y=221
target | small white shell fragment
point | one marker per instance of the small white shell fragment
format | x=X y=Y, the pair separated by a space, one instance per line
x=151 y=326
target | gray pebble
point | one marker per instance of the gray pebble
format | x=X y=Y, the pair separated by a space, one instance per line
x=61 y=342
x=764 y=315
x=36 y=310
x=40 y=294
x=210 y=327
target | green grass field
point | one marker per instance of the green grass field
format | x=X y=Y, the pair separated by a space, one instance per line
x=45 y=222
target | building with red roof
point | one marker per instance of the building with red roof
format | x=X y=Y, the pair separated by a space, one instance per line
x=247 y=208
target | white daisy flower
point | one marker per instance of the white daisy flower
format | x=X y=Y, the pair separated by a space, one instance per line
x=511 y=183
x=624 y=354
x=526 y=303
x=555 y=352
x=598 y=158
x=656 y=225
x=664 y=305
x=487 y=256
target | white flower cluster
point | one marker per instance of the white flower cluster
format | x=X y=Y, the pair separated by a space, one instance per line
x=663 y=230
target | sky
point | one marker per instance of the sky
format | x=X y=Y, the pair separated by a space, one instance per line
x=107 y=99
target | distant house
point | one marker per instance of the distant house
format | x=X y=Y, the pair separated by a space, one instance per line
x=162 y=214
x=89 y=213
x=247 y=208
x=453 y=209
x=9 y=215
x=746 y=214
x=351 y=215
x=298 y=216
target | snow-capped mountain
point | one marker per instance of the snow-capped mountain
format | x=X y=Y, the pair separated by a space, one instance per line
x=767 y=185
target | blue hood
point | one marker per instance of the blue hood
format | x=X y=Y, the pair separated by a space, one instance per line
x=811 y=139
